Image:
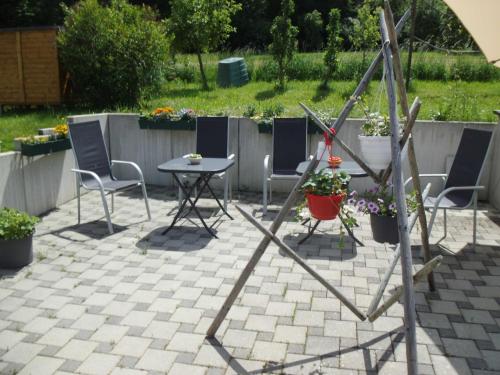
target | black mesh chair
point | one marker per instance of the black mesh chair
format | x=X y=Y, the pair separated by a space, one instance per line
x=462 y=182
x=94 y=169
x=212 y=141
x=289 y=149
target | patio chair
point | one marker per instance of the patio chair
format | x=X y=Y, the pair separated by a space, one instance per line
x=289 y=149
x=212 y=141
x=462 y=182
x=94 y=169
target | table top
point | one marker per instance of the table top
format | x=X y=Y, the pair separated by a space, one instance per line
x=348 y=166
x=207 y=165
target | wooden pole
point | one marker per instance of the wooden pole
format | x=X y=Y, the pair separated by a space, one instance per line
x=392 y=264
x=363 y=84
x=303 y=264
x=342 y=145
x=411 y=41
x=403 y=100
x=428 y=267
x=404 y=237
x=247 y=271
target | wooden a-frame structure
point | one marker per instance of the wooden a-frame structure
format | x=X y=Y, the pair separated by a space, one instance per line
x=389 y=54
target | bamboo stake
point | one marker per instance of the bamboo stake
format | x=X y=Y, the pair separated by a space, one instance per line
x=346 y=148
x=403 y=100
x=419 y=276
x=363 y=84
x=247 y=271
x=404 y=238
x=290 y=252
x=394 y=261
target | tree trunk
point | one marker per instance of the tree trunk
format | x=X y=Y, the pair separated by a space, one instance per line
x=412 y=39
x=202 y=72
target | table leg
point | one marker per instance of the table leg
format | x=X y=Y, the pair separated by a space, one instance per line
x=207 y=185
x=187 y=198
x=310 y=231
x=350 y=232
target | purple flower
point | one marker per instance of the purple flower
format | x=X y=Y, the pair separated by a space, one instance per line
x=353 y=193
x=374 y=209
x=392 y=207
x=351 y=201
x=361 y=203
x=373 y=189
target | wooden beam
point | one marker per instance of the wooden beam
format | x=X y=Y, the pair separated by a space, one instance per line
x=291 y=253
x=394 y=261
x=419 y=276
x=261 y=248
x=412 y=159
x=342 y=145
x=404 y=237
x=363 y=84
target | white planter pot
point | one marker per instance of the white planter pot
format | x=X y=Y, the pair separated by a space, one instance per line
x=376 y=150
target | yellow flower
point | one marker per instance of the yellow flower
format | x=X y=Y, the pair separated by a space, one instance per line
x=61 y=130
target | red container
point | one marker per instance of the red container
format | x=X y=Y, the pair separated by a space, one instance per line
x=323 y=207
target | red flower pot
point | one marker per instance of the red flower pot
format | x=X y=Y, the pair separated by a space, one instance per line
x=324 y=207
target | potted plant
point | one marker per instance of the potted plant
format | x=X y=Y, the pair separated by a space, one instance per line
x=380 y=203
x=16 y=238
x=53 y=140
x=375 y=138
x=325 y=192
x=168 y=119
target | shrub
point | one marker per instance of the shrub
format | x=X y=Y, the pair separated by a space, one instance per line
x=16 y=225
x=312 y=30
x=334 y=42
x=284 y=41
x=116 y=54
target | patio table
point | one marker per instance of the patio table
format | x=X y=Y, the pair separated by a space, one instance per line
x=205 y=170
x=353 y=169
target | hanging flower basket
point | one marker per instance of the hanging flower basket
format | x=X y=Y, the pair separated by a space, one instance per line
x=324 y=207
x=376 y=150
x=384 y=228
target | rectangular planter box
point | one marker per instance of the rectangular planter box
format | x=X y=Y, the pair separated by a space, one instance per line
x=312 y=128
x=265 y=128
x=166 y=124
x=45 y=148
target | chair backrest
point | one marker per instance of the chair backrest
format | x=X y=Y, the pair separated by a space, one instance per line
x=468 y=164
x=289 y=144
x=212 y=137
x=89 y=148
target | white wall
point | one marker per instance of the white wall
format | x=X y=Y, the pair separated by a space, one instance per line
x=41 y=183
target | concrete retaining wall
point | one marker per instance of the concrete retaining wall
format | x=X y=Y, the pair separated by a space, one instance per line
x=41 y=183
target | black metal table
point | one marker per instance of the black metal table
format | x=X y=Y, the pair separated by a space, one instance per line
x=353 y=169
x=206 y=169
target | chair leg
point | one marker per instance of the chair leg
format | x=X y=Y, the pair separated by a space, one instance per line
x=264 y=196
x=445 y=223
x=270 y=191
x=474 y=222
x=145 y=196
x=180 y=196
x=106 y=212
x=226 y=190
x=431 y=221
x=78 y=199
x=112 y=202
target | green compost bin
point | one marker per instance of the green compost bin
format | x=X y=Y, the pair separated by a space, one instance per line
x=232 y=72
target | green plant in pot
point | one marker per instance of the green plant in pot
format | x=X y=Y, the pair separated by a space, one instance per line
x=16 y=238
x=325 y=193
x=379 y=202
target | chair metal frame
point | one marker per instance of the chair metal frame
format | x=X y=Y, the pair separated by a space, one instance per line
x=228 y=195
x=268 y=167
x=101 y=187
x=433 y=208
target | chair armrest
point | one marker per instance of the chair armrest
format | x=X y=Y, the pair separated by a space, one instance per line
x=454 y=188
x=185 y=156
x=132 y=164
x=266 y=166
x=231 y=157
x=90 y=173
x=441 y=175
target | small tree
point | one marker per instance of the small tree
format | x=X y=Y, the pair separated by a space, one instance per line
x=284 y=43
x=114 y=54
x=200 y=26
x=312 y=30
x=365 y=28
x=333 y=43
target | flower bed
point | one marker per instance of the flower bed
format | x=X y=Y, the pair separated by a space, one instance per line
x=165 y=118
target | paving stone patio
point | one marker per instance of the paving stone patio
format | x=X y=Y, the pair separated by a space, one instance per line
x=137 y=302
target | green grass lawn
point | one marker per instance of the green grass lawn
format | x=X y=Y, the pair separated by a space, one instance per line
x=467 y=101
